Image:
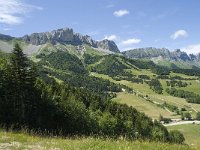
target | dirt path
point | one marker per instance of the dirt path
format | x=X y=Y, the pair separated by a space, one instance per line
x=182 y=122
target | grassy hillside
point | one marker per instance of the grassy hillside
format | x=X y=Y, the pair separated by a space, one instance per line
x=148 y=108
x=14 y=141
x=191 y=133
x=143 y=106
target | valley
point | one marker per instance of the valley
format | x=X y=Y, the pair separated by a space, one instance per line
x=78 y=74
x=99 y=75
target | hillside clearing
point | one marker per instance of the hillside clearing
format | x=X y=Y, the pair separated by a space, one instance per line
x=142 y=105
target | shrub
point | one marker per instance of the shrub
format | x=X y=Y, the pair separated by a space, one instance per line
x=176 y=137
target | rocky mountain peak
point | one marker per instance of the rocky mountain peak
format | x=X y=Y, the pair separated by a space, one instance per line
x=178 y=54
x=107 y=44
x=67 y=36
x=60 y=35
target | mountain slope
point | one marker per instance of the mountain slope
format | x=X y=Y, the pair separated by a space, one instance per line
x=56 y=39
x=66 y=39
x=164 y=57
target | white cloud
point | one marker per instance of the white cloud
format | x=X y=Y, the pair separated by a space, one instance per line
x=127 y=48
x=178 y=34
x=131 y=41
x=128 y=44
x=13 y=11
x=111 y=37
x=192 y=49
x=121 y=13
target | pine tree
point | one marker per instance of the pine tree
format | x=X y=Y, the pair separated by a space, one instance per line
x=23 y=78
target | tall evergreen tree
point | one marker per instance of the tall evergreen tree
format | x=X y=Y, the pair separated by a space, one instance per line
x=23 y=79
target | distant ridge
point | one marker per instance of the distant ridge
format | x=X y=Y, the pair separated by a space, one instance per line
x=151 y=52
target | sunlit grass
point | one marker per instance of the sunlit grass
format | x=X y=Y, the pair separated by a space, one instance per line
x=13 y=141
x=150 y=109
x=191 y=133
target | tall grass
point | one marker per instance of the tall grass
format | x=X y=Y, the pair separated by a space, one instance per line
x=22 y=140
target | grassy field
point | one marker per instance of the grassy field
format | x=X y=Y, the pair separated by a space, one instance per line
x=19 y=141
x=141 y=88
x=151 y=109
x=142 y=105
x=181 y=75
x=143 y=72
x=191 y=133
x=194 y=87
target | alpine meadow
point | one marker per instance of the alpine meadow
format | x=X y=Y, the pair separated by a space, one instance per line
x=121 y=75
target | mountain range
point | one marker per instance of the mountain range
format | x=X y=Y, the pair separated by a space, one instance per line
x=37 y=42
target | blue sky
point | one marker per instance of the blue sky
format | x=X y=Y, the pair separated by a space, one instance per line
x=171 y=24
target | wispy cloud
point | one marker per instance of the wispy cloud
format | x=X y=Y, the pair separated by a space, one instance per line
x=131 y=41
x=13 y=11
x=111 y=37
x=123 y=44
x=110 y=6
x=179 y=34
x=128 y=44
x=192 y=49
x=165 y=14
x=93 y=32
x=121 y=13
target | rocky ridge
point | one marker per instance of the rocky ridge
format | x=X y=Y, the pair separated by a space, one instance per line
x=164 y=53
x=67 y=36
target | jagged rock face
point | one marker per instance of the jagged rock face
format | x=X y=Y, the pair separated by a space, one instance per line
x=156 y=52
x=177 y=54
x=67 y=36
x=80 y=39
x=148 y=53
x=198 y=57
x=110 y=45
x=60 y=35
x=193 y=57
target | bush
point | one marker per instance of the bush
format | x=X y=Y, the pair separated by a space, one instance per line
x=159 y=134
x=198 y=116
x=176 y=137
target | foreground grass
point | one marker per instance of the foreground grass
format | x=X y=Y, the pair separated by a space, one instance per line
x=191 y=133
x=18 y=141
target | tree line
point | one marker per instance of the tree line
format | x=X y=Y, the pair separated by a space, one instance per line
x=189 y=96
